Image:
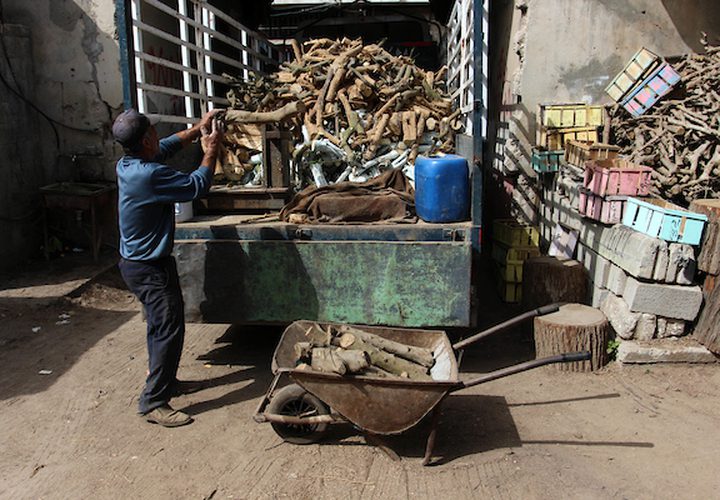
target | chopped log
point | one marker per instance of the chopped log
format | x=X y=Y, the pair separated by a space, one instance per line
x=303 y=350
x=377 y=135
x=548 y=279
x=574 y=328
x=415 y=354
x=409 y=126
x=355 y=361
x=346 y=340
x=317 y=336
x=709 y=259
x=387 y=361
x=707 y=331
x=288 y=111
x=327 y=360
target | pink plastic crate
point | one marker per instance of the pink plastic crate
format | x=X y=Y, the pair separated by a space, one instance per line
x=616 y=177
x=608 y=209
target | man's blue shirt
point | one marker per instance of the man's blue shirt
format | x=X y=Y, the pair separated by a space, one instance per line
x=147 y=191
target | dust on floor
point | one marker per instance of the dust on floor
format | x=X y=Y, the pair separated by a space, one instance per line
x=73 y=364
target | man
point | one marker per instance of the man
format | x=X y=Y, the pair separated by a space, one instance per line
x=147 y=192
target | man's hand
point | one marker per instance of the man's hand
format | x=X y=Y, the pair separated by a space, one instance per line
x=206 y=120
x=189 y=135
x=211 y=141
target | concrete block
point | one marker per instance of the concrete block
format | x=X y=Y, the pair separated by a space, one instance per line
x=664 y=351
x=667 y=328
x=646 y=326
x=682 y=264
x=596 y=295
x=669 y=301
x=591 y=234
x=634 y=252
x=598 y=267
x=616 y=280
x=661 y=263
x=619 y=315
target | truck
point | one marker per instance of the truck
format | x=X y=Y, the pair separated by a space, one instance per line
x=243 y=269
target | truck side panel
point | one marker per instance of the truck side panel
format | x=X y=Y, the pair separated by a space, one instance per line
x=410 y=284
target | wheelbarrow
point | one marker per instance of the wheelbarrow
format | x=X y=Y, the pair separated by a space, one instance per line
x=301 y=411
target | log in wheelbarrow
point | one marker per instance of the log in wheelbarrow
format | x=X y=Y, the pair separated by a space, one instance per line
x=301 y=411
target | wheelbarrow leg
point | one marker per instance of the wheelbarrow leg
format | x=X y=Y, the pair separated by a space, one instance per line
x=431 y=437
x=377 y=441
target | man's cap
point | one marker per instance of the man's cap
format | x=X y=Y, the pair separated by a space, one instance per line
x=130 y=127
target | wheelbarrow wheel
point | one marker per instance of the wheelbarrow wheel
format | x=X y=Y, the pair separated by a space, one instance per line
x=294 y=401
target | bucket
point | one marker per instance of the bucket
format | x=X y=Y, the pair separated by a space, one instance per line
x=183 y=211
x=442 y=188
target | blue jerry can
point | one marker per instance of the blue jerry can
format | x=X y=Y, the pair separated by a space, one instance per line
x=442 y=188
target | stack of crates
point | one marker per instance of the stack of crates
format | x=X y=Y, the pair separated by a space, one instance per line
x=513 y=244
x=642 y=82
x=559 y=123
x=607 y=185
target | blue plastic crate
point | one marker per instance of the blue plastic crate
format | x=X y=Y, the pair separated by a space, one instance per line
x=664 y=220
x=649 y=91
x=546 y=161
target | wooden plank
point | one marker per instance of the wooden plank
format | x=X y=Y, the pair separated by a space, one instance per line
x=707 y=331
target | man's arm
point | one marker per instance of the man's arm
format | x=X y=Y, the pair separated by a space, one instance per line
x=170 y=186
x=189 y=135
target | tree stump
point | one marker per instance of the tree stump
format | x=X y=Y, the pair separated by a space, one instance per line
x=548 y=279
x=707 y=331
x=574 y=328
x=709 y=258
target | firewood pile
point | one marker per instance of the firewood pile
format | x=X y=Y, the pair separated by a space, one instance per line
x=346 y=350
x=356 y=111
x=680 y=136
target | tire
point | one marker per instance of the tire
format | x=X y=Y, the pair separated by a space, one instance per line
x=294 y=401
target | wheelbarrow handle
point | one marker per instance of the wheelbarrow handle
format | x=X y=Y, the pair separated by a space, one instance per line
x=528 y=365
x=540 y=311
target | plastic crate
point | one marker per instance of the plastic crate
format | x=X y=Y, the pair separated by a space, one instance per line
x=605 y=209
x=616 y=176
x=546 y=161
x=660 y=82
x=514 y=234
x=555 y=138
x=578 y=152
x=510 y=260
x=509 y=292
x=570 y=115
x=664 y=220
x=641 y=64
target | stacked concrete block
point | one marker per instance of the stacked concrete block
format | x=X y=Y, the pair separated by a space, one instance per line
x=671 y=301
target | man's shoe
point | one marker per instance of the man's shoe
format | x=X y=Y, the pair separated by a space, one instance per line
x=167 y=417
x=187 y=387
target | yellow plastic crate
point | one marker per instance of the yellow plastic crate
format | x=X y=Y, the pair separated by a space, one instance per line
x=515 y=234
x=509 y=260
x=578 y=152
x=571 y=115
x=509 y=292
x=555 y=138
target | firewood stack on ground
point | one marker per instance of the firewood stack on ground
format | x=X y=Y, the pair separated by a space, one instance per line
x=347 y=350
x=362 y=111
x=680 y=136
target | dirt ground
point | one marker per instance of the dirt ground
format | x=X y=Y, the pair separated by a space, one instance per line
x=72 y=362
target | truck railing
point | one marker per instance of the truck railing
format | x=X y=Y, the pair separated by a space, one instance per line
x=173 y=53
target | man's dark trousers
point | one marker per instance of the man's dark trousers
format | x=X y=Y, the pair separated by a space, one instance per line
x=156 y=284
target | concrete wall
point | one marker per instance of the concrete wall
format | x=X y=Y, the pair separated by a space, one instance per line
x=567 y=51
x=65 y=54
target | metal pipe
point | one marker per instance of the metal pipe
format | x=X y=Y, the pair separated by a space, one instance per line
x=540 y=311
x=528 y=365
